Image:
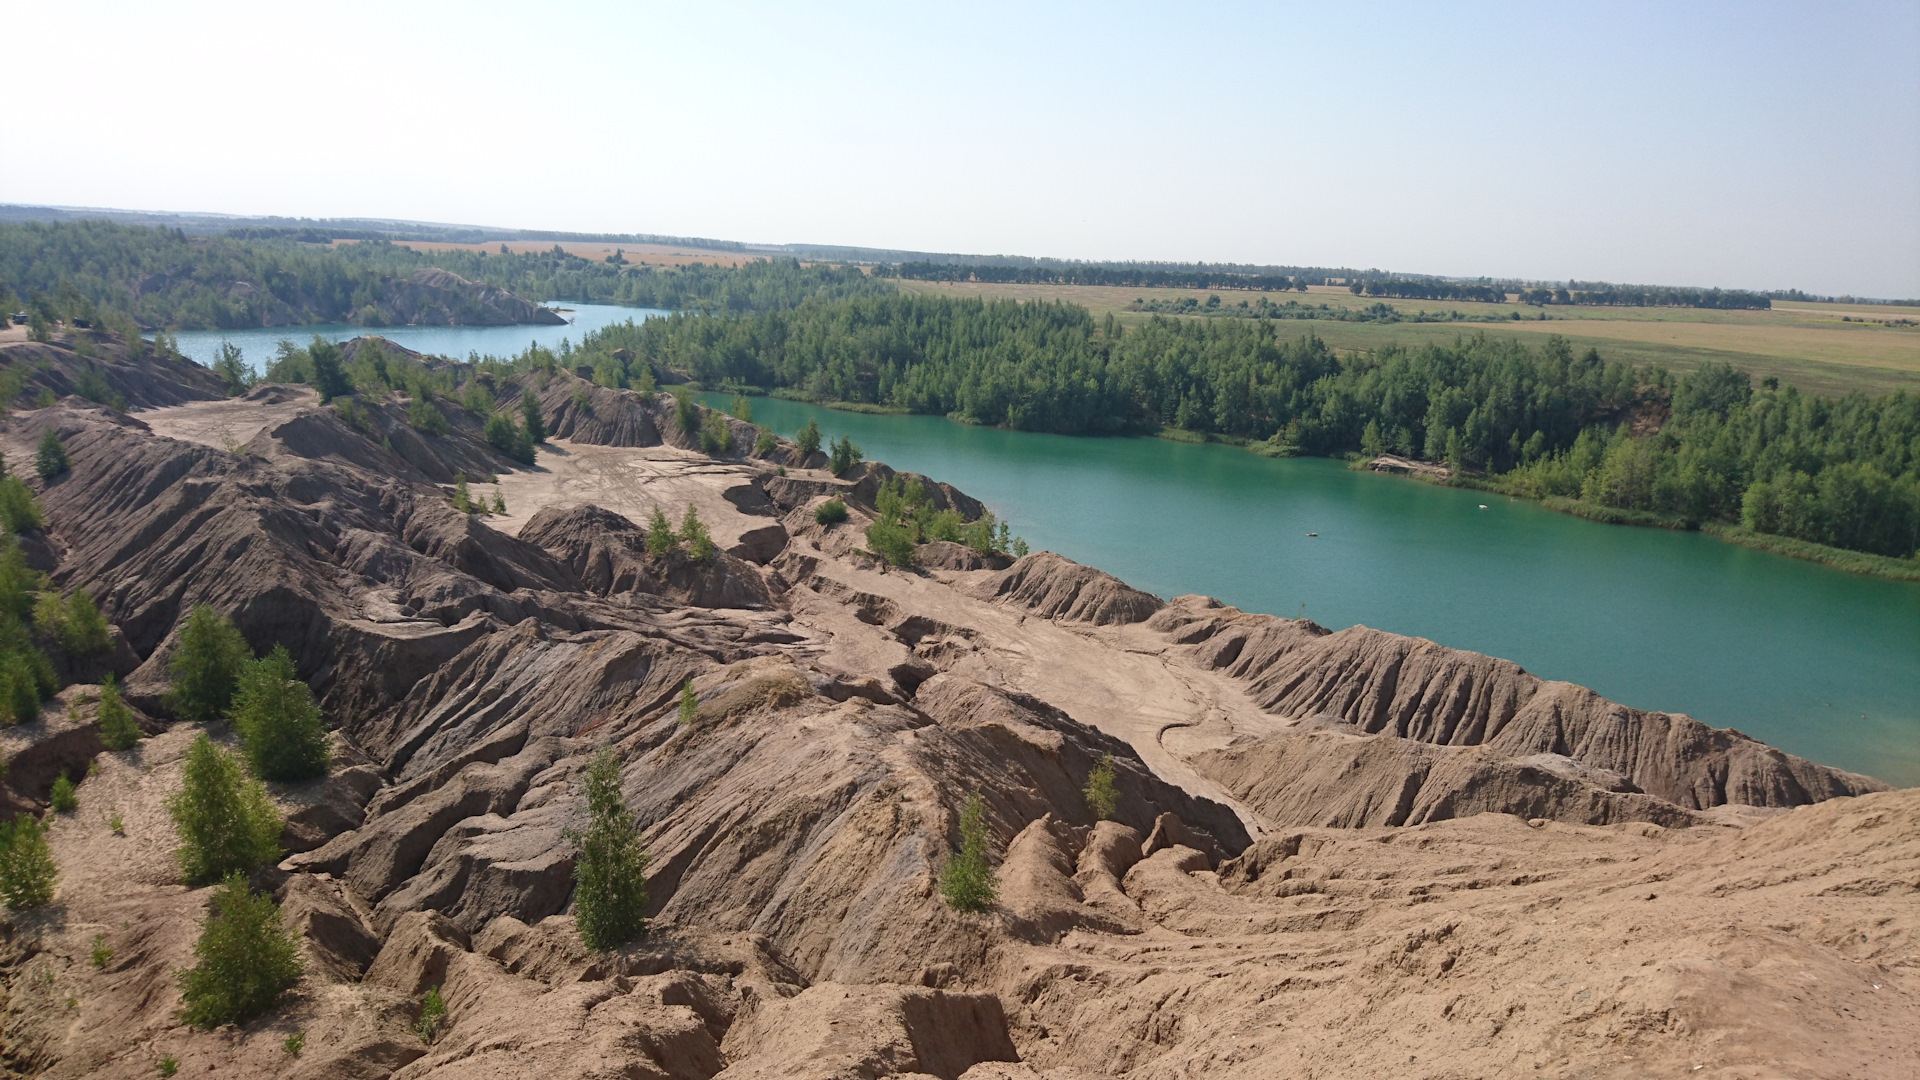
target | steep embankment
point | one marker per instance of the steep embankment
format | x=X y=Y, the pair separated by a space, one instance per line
x=845 y=710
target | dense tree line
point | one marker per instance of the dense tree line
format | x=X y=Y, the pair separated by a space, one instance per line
x=97 y=271
x=1706 y=447
x=1650 y=296
x=1128 y=276
x=1264 y=308
x=1844 y=473
x=1600 y=295
x=1405 y=289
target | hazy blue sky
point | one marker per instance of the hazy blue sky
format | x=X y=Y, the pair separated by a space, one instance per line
x=1739 y=144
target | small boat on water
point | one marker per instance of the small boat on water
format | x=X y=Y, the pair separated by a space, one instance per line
x=1313 y=534
x=1483 y=506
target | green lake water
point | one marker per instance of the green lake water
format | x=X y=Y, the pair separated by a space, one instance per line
x=1815 y=661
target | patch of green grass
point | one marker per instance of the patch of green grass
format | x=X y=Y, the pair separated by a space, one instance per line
x=1613 y=515
x=1855 y=562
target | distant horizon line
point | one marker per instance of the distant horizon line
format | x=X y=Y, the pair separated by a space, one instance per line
x=395 y=228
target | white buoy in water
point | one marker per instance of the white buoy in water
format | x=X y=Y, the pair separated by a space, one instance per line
x=1483 y=506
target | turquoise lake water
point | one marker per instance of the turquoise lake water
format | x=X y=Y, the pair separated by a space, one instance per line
x=258 y=345
x=1815 y=661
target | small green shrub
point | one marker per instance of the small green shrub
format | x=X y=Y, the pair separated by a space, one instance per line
x=1102 y=797
x=478 y=399
x=505 y=436
x=808 y=440
x=967 y=881
x=765 y=443
x=423 y=415
x=740 y=408
x=118 y=824
x=63 y=798
x=694 y=531
x=246 y=957
x=117 y=727
x=102 y=952
x=831 y=512
x=661 y=537
x=26 y=678
x=168 y=1065
x=610 y=865
x=715 y=436
x=461 y=500
x=50 y=459
x=891 y=542
x=689 y=705
x=499 y=502
x=433 y=1015
x=226 y=822
x=686 y=415
x=278 y=723
x=19 y=510
x=945 y=525
x=294 y=1043
x=205 y=665
x=27 y=870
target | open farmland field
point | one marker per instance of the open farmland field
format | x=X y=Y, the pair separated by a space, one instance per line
x=1809 y=345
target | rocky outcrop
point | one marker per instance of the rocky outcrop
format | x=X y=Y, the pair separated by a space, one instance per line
x=1412 y=689
x=608 y=553
x=148 y=382
x=431 y=296
x=1053 y=587
x=831 y=1031
x=1340 y=779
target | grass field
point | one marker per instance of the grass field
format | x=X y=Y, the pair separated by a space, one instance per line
x=1806 y=344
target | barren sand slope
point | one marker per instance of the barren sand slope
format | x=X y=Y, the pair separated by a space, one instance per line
x=1432 y=863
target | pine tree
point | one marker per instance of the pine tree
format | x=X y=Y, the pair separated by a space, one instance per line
x=205 y=665
x=967 y=881
x=689 y=705
x=808 y=441
x=661 y=537
x=1101 y=795
x=245 y=955
x=63 y=799
x=461 y=501
x=117 y=727
x=84 y=631
x=846 y=454
x=51 y=459
x=686 y=415
x=27 y=870
x=694 y=531
x=278 y=723
x=610 y=867
x=225 y=820
x=535 y=424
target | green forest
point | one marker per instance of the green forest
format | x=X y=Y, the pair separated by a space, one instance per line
x=98 y=271
x=1704 y=447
